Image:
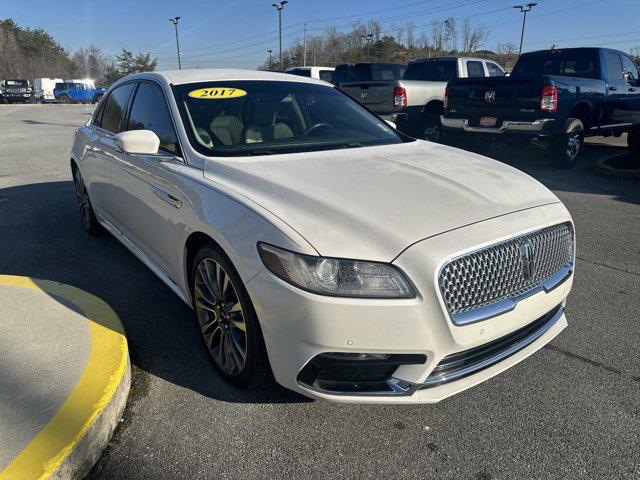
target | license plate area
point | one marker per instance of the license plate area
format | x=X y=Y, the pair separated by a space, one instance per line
x=488 y=121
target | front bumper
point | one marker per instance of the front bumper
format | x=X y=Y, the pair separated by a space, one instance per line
x=519 y=127
x=299 y=326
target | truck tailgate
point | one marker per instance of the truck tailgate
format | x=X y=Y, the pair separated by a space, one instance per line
x=375 y=95
x=502 y=97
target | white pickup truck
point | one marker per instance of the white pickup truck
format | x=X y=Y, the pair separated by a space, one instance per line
x=420 y=94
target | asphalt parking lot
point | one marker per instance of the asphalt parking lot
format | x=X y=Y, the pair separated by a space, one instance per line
x=572 y=410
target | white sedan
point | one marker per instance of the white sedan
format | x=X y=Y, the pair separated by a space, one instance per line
x=318 y=244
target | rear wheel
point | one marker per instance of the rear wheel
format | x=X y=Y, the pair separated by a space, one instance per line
x=87 y=215
x=227 y=320
x=566 y=149
x=65 y=99
x=431 y=128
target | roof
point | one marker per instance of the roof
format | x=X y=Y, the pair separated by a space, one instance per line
x=178 y=77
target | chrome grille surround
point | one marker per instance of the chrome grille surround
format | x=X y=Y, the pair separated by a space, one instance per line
x=490 y=281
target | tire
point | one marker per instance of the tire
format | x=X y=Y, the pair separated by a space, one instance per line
x=65 y=99
x=229 y=324
x=431 y=128
x=566 y=149
x=633 y=141
x=87 y=215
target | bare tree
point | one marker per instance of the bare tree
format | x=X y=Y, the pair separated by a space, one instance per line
x=473 y=38
x=450 y=34
x=437 y=35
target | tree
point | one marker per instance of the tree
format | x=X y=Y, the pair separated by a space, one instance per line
x=450 y=38
x=126 y=63
x=473 y=38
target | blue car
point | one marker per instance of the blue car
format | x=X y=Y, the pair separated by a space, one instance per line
x=75 y=92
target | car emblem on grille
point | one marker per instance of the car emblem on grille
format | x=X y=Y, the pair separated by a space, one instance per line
x=527 y=258
x=363 y=95
x=490 y=96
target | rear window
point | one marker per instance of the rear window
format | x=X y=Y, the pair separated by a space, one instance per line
x=565 y=63
x=301 y=72
x=474 y=69
x=367 y=72
x=326 y=75
x=432 y=71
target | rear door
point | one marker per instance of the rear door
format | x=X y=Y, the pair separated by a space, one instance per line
x=614 y=108
x=98 y=161
x=147 y=189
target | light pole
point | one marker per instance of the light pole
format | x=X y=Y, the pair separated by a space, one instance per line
x=270 y=63
x=524 y=9
x=175 y=20
x=279 y=6
x=367 y=38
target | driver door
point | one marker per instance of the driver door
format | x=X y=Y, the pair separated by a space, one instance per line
x=148 y=189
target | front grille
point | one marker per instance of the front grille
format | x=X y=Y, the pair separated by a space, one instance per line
x=502 y=271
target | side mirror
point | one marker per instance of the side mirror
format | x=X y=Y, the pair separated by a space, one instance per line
x=139 y=141
x=391 y=124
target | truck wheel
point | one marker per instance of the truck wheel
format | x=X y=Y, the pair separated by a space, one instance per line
x=633 y=141
x=566 y=149
x=431 y=129
x=65 y=99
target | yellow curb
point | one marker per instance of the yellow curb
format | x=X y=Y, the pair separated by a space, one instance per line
x=101 y=377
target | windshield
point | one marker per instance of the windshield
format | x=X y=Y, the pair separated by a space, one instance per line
x=262 y=117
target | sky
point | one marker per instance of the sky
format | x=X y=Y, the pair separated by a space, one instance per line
x=216 y=33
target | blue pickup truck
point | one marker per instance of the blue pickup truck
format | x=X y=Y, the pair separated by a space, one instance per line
x=553 y=97
x=77 y=92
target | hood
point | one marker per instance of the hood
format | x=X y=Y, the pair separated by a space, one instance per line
x=372 y=202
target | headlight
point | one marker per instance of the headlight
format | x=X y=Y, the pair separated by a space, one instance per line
x=334 y=276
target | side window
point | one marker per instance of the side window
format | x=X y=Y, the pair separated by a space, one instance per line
x=150 y=112
x=494 y=70
x=630 y=69
x=474 y=69
x=614 y=67
x=114 y=107
x=326 y=75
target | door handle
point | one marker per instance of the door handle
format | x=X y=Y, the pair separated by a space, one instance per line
x=613 y=89
x=166 y=196
x=632 y=89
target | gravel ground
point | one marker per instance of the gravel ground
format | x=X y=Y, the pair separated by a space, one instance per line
x=572 y=410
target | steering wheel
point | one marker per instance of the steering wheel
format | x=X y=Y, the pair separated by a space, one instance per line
x=317 y=126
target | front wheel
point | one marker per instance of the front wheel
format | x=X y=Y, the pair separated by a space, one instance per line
x=566 y=149
x=227 y=320
x=65 y=99
x=633 y=141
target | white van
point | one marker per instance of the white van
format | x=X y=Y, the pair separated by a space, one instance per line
x=43 y=89
x=321 y=73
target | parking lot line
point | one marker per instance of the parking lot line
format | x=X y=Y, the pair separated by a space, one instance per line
x=105 y=369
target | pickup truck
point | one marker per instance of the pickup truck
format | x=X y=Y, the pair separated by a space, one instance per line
x=423 y=87
x=16 y=91
x=77 y=92
x=371 y=84
x=553 y=97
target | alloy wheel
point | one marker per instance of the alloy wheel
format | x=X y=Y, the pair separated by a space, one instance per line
x=220 y=316
x=574 y=144
x=432 y=132
x=83 y=199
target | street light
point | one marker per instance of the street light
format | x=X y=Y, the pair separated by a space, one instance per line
x=174 y=20
x=524 y=9
x=279 y=6
x=270 y=64
x=367 y=38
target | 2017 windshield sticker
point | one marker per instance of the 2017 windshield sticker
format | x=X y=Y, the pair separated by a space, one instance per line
x=215 y=93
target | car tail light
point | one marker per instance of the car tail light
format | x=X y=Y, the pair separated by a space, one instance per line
x=549 y=98
x=399 y=97
x=445 y=102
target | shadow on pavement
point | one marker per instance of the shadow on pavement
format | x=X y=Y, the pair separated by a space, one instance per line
x=41 y=236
